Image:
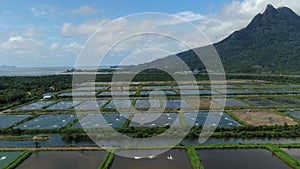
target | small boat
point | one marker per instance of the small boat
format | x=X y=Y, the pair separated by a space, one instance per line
x=2 y=158
x=169 y=157
x=137 y=158
x=151 y=157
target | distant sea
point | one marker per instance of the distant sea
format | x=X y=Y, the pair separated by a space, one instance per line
x=32 y=71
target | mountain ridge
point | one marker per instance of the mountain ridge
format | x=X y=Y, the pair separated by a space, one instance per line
x=270 y=43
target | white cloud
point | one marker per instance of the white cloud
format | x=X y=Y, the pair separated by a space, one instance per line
x=84 y=10
x=27 y=32
x=189 y=16
x=73 y=47
x=45 y=10
x=85 y=28
x=21 y=45
x=237 y=15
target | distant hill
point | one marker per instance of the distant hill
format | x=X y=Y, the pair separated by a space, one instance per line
x=7 y=67
x=269 y=44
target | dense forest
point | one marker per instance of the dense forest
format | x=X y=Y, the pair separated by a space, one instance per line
x=19 y=89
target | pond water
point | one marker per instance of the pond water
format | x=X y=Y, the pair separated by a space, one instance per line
x=188 y=87
x=295 y=114
x=76 y=94
x=240 y=158
x=7 y=157
x=172 y=159
x=56 y=140
x=7 y=120
x=197 y=92
x=286 y=101
x=35 y=105
x=63 y=105
x=90 y=88
x=259 y=102
x=114 y=120
x=220 y=86
x=48 y=121
x=156 y=87
x=63 y=160
x=232 y=102
x=114 y=104
x=199 y=119
x=175 y=104
x=157 y=92
x=236 y=91
x=155 y=119
x=118 y=93
x=91 y=105
x=294 y=152
x=277 y=91
x=147 y=104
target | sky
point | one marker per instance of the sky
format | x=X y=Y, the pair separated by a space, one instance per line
x=52 y=33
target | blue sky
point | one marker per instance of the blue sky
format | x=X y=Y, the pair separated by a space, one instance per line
x=51 y=33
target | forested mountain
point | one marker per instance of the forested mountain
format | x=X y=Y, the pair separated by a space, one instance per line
x=269 y=44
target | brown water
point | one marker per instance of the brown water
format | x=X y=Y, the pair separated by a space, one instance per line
x=240 y=159
x=63 y=160
x=180 y=161
x=295 y=152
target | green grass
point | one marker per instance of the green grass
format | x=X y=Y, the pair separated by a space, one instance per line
x=107 y=161
x=194 y=158
x=13 y=164
x=284 y=156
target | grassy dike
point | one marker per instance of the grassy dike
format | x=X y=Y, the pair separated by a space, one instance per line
x=107 y=161
x=284 y=156
x=13 y=164
x=194 y=158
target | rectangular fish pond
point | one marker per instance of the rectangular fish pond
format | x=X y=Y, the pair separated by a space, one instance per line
x=294 y=152
x=76 y=94
x=91 y=88
x=36 y=105
x=63 y=160
x=122 y=104
x=157 y=87
x=7 y=157
x=171 y=159
x=259 y=102
x=215 y=118
x=140 y=104
x=7 y=120
x=279 y=91
x=155 y=120
x=91 y=105
x=63 y=105
x=286 y=101
x=232 y=102
x=240 y=159
x=117 y=93
x=48 y=121
x=157 y=92
x=237 y=91
x=171 y=104
x=188 y=87
x=115 y=120
x=197 y=92
x=295 y=114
